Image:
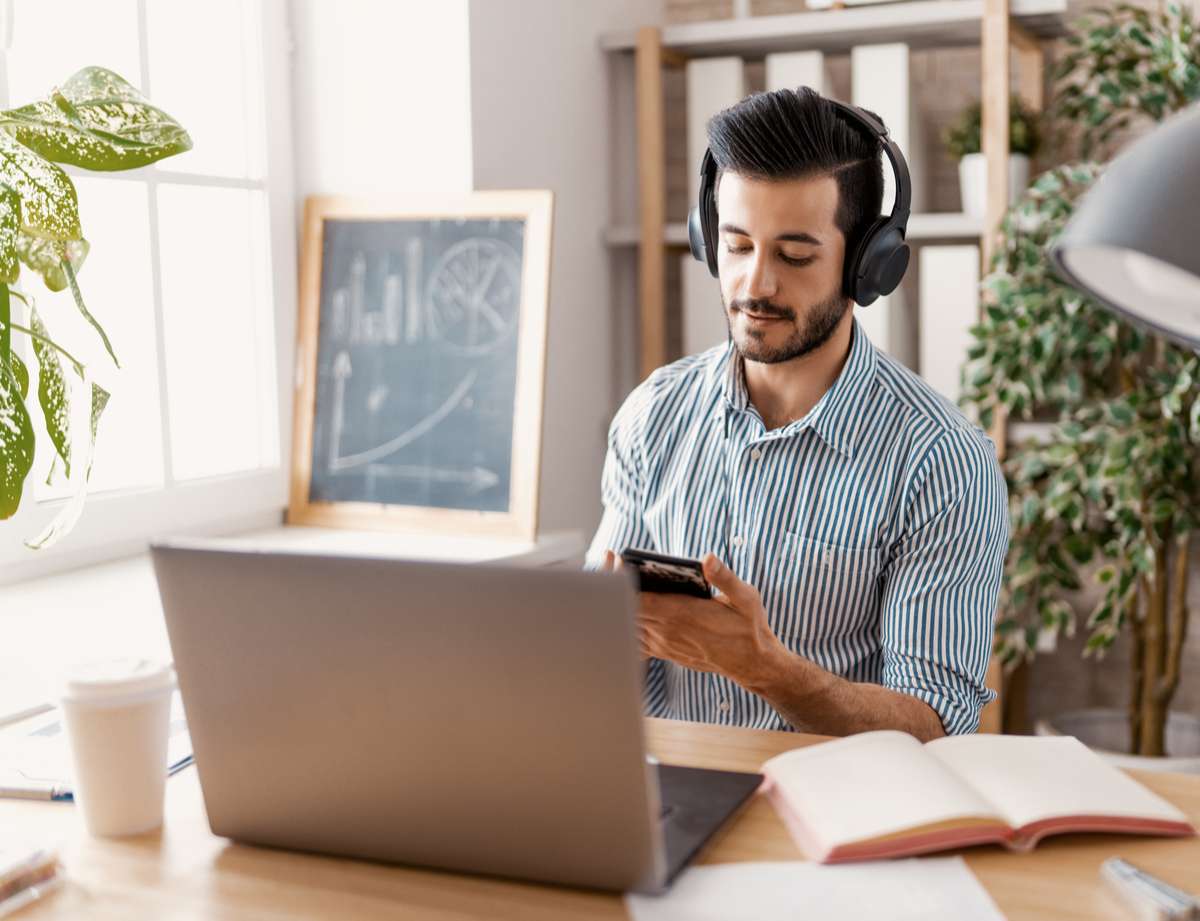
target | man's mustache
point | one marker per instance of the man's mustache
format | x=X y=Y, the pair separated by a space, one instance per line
x=763 y=308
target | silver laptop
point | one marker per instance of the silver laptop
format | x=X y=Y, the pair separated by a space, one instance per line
x=468 y=717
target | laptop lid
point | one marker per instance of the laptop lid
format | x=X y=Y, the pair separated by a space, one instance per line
x=468 y=717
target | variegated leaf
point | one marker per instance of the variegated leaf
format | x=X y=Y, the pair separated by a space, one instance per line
x=49 y=207
x=99 y=121
x=10 y=228
x=52 y=391
x=78 y=296
x=83 y=412
x=100 y=398
x=16 y=435
x=45 y=257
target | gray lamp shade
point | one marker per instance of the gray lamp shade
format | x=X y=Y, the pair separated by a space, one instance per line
x=1134 y=241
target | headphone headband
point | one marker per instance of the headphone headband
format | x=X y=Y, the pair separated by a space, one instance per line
x=878 y=261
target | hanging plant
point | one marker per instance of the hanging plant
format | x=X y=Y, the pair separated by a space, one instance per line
x=97 y=121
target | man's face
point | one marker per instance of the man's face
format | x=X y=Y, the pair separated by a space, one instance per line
x=780 y=252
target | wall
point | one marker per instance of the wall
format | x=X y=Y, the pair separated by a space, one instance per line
x=541 y=94
x=381 y=97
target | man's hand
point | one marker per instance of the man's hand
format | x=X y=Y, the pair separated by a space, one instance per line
x=728 y=634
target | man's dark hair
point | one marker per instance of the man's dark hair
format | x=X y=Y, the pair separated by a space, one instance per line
x=798 y=134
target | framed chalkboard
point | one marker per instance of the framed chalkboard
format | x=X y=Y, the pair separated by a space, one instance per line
x=421 y=363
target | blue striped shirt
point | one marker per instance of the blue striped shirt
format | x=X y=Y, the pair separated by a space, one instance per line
x=875 y=528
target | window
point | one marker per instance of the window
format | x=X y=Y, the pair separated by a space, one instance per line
x=191 y=272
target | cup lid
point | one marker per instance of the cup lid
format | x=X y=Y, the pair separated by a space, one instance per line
x=102 y=679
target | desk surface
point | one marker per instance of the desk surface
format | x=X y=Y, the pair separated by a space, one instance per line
x=185 y=872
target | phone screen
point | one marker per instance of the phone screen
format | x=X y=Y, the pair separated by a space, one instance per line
x=658 y=572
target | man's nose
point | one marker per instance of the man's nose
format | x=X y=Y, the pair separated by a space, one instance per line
x=761 y=281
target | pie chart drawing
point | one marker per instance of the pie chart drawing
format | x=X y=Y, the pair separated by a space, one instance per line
x=473 y=298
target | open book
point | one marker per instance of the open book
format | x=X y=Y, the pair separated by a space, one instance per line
x=884 y=794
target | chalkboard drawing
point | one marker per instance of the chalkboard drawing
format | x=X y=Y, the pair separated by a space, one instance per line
x=474 y=295
x=422 y=335
x=337 y=462
x=353 y=322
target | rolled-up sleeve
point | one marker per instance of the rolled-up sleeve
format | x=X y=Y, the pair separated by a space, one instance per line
x=943 y=577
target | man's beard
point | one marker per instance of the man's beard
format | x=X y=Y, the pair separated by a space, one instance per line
x=816 y=329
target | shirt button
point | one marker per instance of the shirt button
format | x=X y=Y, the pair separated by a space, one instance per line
x=737 y=540
x=756 y=454
x=724 y=705
x=827 y=558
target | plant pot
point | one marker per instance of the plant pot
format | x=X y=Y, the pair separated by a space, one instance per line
x=1106 y=732
x=972 y=181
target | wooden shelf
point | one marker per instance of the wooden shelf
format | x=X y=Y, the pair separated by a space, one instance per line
x=919 y=23
x=920 y=227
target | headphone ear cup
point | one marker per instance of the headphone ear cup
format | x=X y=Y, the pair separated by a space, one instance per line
x=695 y=230
x=879 y=264
x=710 y=239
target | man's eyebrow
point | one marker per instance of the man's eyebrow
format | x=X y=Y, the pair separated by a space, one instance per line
x=799 y=237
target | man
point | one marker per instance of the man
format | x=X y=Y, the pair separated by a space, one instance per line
x=853 y=521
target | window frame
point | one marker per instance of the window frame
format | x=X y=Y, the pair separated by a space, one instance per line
x=121 y=522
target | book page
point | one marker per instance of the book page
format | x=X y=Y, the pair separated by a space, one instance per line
x=1030 y=779
x=869 y=786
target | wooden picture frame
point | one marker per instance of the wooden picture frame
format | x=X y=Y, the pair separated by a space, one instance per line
x=534 y=208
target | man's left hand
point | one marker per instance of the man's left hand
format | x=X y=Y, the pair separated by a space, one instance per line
x=728 y=634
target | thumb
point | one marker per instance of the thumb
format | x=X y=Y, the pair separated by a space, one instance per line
x=726 y=581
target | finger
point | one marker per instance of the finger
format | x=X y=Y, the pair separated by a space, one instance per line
x=740 y=593
x=608 y=564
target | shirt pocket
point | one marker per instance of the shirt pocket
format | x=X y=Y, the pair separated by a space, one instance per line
x=828 y=592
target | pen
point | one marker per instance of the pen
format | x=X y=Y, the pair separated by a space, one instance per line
x=1148 y=896
x=34 y=790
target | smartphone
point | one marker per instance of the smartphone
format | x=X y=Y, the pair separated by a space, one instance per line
x=657 y=572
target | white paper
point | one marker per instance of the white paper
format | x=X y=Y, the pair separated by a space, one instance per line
x=923 y=889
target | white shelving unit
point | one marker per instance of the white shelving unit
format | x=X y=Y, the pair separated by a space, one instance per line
x=918 y=23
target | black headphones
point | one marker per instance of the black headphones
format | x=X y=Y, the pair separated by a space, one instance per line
x=879 y=259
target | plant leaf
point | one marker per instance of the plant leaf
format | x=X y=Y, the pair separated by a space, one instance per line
x=83 y=412
x=49 y=206
x=99 y=401
x=10 y=229
x=52 y=392
x=70 y=273
x=45 y=257
x=99 y=121
x=5 y=326
x=16 y=435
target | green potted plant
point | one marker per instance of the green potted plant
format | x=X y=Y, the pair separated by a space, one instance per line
x=98 y=121
x=1112 y=496
x=963 y=141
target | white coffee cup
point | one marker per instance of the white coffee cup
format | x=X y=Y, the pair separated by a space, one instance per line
x=117 y=713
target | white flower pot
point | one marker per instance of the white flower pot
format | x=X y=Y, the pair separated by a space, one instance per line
x=972 y=181
x=1106 y=732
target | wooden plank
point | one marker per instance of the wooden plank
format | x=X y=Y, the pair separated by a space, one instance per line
x=996 y=74
x=918 y=23
x=1031 y=66
x=652 y=194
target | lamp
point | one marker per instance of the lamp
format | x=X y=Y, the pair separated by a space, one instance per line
x=1134 y=241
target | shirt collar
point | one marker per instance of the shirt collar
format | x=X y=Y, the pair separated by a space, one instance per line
x=838 y=414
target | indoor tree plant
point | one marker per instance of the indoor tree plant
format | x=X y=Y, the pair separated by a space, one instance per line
x=1114 y=493
x=98 y=121
x=963 y=141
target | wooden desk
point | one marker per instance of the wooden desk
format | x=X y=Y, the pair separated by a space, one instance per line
x=187 y=873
